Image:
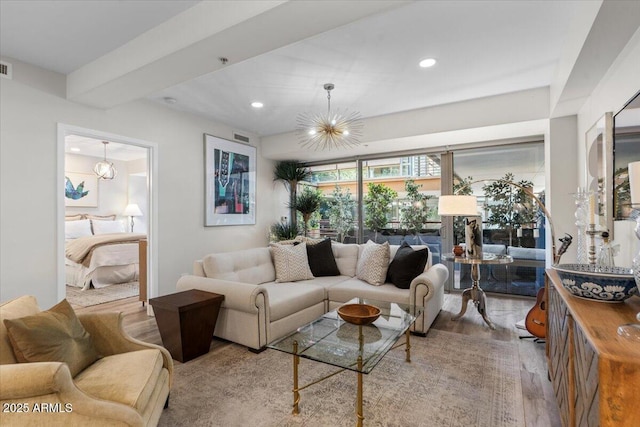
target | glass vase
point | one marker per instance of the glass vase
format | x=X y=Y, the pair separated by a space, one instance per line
x=632 y=330
x=581 y=214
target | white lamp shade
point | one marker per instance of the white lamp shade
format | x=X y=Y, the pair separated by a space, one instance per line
x=452 y=205
x=634 y=182
x=132 y=209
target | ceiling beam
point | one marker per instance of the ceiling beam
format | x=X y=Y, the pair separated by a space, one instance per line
x=189 y=45
x=614 y=23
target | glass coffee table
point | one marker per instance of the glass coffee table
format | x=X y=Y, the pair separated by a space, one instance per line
x=331 y=340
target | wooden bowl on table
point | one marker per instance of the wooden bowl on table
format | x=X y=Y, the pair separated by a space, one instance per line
x=359 y=314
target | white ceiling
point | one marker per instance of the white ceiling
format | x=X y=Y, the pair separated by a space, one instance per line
x=282 y=52
x=85 y=146
x=482 y=48
x=64 y=35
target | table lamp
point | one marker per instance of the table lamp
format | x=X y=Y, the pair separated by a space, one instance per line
x=467 y=206
x=132 y=210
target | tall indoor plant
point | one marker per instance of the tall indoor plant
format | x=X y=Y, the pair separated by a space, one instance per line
x=291 y=173
x=307 y=202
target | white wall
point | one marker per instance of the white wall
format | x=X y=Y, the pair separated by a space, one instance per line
x=621 y=82
x=562 y=181
x=28 y=200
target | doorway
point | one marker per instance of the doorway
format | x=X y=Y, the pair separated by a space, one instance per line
x=121 y=212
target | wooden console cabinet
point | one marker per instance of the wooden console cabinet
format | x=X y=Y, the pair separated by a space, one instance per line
x=595 y=372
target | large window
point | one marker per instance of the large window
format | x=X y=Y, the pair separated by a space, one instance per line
x=394 y=199
x=513 y=224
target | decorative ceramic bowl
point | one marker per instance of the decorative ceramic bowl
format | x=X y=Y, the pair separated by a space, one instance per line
x=359 y=314
x=597 y=282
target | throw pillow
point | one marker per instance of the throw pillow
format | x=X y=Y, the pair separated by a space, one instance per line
x=373 y=263
x=107 y=227
x=55 y=335
x=291 y=262
x=407 y=264
x=321 y=259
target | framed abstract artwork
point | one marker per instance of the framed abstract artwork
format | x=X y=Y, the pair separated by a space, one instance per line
x=230 y=182
x=80 y=190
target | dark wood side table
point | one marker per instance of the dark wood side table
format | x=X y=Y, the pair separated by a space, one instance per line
x=186 y=321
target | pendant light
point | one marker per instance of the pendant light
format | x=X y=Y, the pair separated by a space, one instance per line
x=105 y=169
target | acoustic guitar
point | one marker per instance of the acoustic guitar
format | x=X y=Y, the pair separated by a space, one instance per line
x=536 y=320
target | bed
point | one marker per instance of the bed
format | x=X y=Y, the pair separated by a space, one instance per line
x=99 y=253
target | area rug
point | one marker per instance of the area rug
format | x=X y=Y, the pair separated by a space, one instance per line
x=453 y=380
x=93 y=296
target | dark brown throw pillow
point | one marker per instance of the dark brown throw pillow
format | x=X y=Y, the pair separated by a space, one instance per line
x=407 y=265
x=55 y=335
x=321 y=259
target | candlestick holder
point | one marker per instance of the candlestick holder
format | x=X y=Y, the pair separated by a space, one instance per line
x=592 y=232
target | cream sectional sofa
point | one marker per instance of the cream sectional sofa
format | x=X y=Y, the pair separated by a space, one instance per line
x=258 y=310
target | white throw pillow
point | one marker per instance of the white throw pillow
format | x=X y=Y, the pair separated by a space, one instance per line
x=107 y=227
x=373 y=263
x=291 y=262
x=75 y=229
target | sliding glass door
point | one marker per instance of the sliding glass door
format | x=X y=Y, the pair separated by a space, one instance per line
x=395 y=198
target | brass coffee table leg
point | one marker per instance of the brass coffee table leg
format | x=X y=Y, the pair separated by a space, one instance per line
x=359 y=413
x=296 y=393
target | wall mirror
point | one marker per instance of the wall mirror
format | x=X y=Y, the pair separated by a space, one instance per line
x=626 y=149
x=599 y=153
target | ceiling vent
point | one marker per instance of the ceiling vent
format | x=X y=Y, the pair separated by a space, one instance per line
x=5 y=70
x=241 y=138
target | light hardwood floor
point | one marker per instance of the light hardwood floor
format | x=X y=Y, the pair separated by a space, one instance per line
x=539 y=402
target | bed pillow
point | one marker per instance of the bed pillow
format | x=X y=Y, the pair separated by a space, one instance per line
x=107 y=227
x=55 y=335
x=291 y=262
x=406 y=265
x=75 y=229
x=102 y=217
x=321 y=259
x=373 y=263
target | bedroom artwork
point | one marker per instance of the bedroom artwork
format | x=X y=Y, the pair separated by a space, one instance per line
x=230 y=182
x=80 y=190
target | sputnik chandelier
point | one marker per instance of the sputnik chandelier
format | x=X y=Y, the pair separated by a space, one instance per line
x=330 y=130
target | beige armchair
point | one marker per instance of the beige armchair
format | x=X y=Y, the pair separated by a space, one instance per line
x=127 y=386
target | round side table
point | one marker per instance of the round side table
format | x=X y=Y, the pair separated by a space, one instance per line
x=475 y=292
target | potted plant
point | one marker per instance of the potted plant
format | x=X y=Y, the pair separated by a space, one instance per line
x=291 y=172
x=415 y=212
x=510 y=207
x=341 y=212
x=283 y=231
x=377 y=204
x=307 y=203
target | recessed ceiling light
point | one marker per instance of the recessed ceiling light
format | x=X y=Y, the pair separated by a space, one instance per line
x=74 y=149
x=257 y=104
x=426 y=63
